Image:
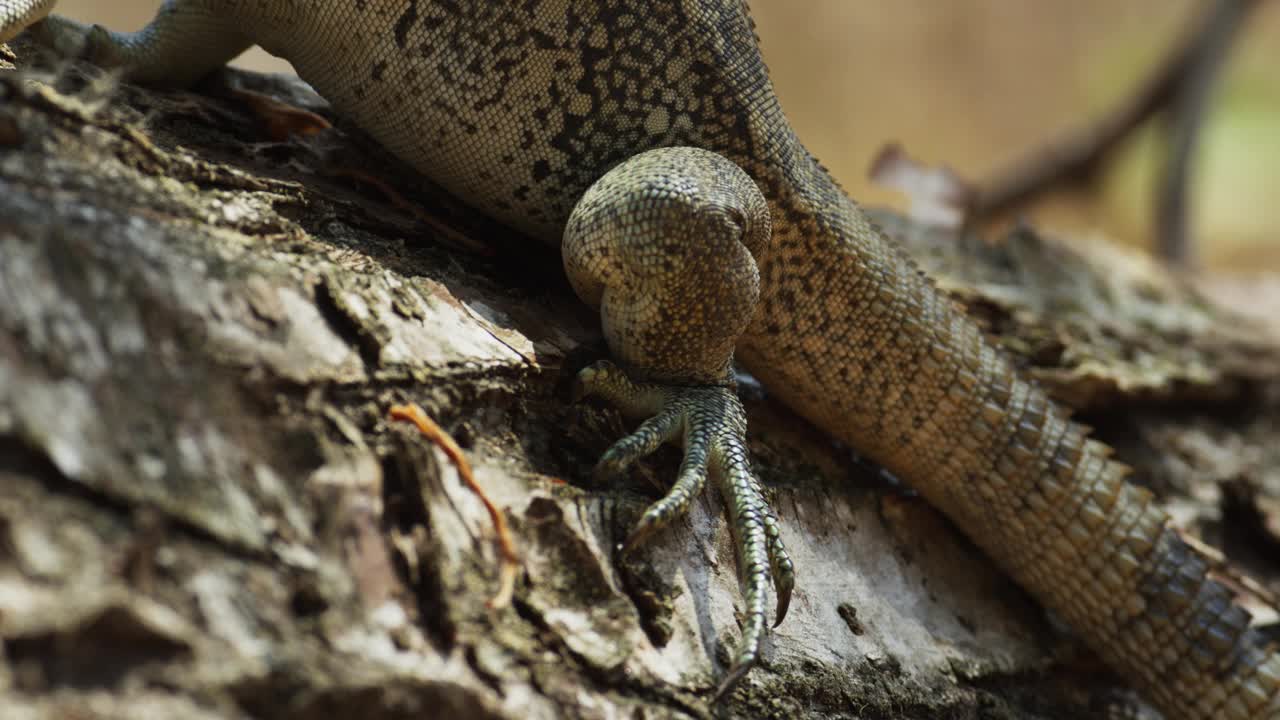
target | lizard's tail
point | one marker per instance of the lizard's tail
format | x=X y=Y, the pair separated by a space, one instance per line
x=923 y=393
x=1097 y=550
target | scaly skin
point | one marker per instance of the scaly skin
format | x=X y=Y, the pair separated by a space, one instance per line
x=519 y=108
x=14 y=16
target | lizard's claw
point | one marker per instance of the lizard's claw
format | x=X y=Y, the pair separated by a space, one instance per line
x=711 y=423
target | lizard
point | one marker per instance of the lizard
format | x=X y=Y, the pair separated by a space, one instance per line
x=645 y=140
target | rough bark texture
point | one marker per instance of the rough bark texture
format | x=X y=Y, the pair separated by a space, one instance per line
x=204 y=511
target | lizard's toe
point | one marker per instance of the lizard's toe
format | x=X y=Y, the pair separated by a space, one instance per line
x=731 y=679
x=689 y=483
x=784 y=573
x=609 y=383
x=751 y=516
x=644 y=441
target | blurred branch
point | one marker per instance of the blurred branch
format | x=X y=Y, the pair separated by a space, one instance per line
x=1186 y=112
x=1180 y=86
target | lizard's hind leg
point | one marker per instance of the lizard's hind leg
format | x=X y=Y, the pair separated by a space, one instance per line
x=187 y=40
x=665 y=245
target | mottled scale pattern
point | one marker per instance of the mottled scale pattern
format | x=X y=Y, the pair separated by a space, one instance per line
x=519 y=106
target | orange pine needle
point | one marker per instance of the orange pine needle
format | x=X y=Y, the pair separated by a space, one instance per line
x=506 y=546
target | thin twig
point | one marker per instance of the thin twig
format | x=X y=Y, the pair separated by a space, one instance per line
x=1186 y=113
x=506 y=545
x=1075 y=156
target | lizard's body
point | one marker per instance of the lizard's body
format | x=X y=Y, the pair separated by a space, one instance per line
x=518 y=108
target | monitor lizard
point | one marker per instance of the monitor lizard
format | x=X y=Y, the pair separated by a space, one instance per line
x=646 y=140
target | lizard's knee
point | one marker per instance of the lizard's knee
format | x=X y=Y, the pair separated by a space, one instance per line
x=665 y=245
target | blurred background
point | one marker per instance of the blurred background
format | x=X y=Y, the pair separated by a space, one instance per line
x=974 y=84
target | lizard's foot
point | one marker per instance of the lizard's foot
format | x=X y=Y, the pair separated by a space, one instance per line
x=711 y=423
x=68 y=38
x=185 y=41
x=16 y=15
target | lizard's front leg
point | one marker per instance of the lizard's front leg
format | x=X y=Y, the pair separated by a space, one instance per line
x=187 y=40
x=666 y=245
x=16 y=15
